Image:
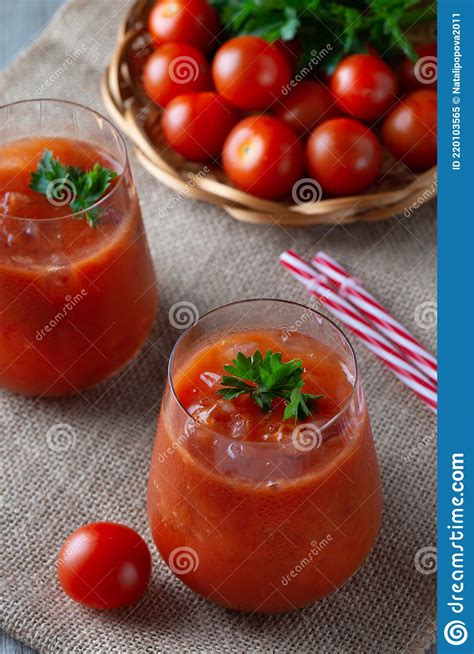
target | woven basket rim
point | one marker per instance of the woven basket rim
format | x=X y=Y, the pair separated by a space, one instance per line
x=125 y=100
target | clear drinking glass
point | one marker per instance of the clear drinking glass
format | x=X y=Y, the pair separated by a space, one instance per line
x=77 y=296
x=270 y=523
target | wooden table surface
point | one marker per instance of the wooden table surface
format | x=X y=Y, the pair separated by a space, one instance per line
x=20 y=23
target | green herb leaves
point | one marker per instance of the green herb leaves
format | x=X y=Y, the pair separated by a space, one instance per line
x=67 y=185
x=49 y=170
x=265 y=378
x=347 y=26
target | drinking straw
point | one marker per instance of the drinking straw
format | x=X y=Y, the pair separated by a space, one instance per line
x=352 y=289
x=319 y=286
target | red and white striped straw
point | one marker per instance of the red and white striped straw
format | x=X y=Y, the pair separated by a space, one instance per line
x=319 y=286
x=351 y=288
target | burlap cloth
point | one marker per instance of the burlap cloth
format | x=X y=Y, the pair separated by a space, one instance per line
x=203 y=256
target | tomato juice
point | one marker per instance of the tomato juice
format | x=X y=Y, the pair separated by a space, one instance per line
x=254 y=512
x=76 y=301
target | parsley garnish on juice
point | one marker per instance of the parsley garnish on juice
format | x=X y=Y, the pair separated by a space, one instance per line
x=81 y=189
x=266 y=378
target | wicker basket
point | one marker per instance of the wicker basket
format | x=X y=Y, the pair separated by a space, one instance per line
x=126 y=101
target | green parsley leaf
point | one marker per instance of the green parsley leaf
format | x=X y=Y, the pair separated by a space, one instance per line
x=266 y=378
x=83 y=188
x=348 y=26
x=48 y=171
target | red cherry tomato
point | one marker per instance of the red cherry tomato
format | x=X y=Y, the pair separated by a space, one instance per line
x=185 y=21
x=409 y=131
x=263 y=156
x=423 y=73
x=174 y=69
x=364 y=86
x=250 y=72
x=307 y=105
x=196 y=125
x=104 y=565
x=344 y=156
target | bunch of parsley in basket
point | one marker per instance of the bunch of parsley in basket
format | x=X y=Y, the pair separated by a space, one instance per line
x=348 y=27
x=266 y=378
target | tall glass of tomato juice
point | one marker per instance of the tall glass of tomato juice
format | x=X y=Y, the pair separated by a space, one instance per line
x=255 y=512
x=77 y=296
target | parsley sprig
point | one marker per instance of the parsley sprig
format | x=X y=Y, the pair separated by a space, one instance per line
x=266 y=378
x=349 y=26
x=79 y=188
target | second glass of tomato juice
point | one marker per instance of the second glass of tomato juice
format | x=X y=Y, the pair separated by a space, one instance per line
x=77 y=286
x=264 y=491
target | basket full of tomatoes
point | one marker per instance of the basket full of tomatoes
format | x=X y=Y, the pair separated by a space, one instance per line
x=301 y=112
